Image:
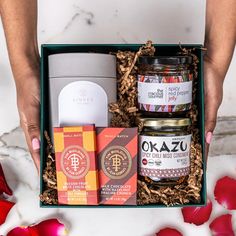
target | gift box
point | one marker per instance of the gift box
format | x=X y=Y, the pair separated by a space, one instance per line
x=48 y=50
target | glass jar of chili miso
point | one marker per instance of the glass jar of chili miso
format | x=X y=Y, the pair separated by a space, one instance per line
x=164 y=84
x=164 y=150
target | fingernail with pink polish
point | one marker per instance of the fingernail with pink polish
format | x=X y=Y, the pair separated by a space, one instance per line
x=35 y=144
x=208 y=137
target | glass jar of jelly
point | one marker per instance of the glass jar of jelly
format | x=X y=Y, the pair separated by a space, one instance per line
x=164 y=84
x=164 y=150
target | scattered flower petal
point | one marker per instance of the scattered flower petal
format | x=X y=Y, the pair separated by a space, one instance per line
x=4 y=188
x=197 y=215
x=222 y=226
x=5 y=207
x=168 y=232
x=225 y=192
x=51 y=227
x=22 y=231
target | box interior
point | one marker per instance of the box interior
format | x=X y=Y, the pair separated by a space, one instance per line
x=161 y=50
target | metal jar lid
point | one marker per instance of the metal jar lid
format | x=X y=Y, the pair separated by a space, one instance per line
x=82 y=64
x=160 y=122
x=165 y=60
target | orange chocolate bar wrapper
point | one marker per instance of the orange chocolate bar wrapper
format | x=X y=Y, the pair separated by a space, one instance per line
x=77 y=179
x=117 y=157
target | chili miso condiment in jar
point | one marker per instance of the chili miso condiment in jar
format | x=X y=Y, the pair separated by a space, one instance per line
x=164 y=150
x=164 y=84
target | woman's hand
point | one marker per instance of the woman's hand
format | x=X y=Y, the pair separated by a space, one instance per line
x=220 y=38
x=28 y=102
x=19 y=20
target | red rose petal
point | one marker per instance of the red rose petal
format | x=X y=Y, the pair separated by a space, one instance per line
x=168 y=232
x=20 y=231
x=222 y=226
x=225 y=192
x=197 y=215
x=4 y=188
x=5 y=207
x=51 y=227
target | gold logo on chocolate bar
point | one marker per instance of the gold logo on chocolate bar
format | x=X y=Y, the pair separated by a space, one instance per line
x=116 y=162
x=75 y=162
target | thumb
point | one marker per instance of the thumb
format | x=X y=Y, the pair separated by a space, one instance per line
x=32 y=134
x=31 y=129
x=213 y=86
x=211 y=108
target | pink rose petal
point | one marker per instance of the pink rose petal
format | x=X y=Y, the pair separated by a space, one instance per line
x=225 y=192
x=222 y=226
x=197 y=215
x=5 y=207
x=168 y=232
x=51 y=227
x=4 y=188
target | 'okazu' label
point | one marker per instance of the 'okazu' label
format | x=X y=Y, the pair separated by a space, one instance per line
x=164 y=157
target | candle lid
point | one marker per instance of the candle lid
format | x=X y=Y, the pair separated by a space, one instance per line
x=82 y=64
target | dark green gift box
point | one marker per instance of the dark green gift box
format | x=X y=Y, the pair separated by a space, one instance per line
x=49 y=49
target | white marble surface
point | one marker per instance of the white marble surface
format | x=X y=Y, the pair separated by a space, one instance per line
x=113 y=21
x=23 y=179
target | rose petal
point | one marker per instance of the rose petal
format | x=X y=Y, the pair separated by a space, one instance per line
x=4 y=188
x=22 y=231
x=51 y=227
x=168 y=232
x=197 y=215
x=225 y=192
x=5 y=207
x=222 y=226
